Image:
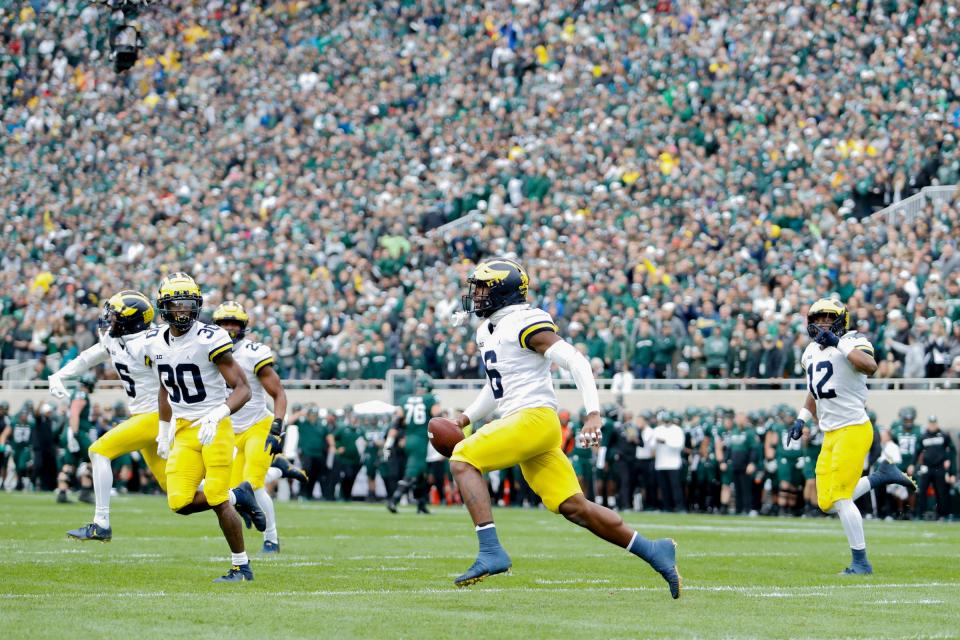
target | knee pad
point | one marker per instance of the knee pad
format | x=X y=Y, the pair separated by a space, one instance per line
x=216 y=491
x=824 y=502
x=177 y=502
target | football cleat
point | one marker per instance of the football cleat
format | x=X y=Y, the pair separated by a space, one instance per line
x=664 y=561
x=887 y=473
x=91 y=531
x=248 y=508
x=391 y=505
x=858 y=569
x=237 y=573
x=289 y=470
x=62 y=497
x=422 y=508
x=86 y=495
x=270 y=547
x=488 y=563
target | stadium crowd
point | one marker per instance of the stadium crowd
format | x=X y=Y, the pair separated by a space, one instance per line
x=701 y=460
x=714 y=161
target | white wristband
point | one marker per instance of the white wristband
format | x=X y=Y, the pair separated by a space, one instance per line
x=846 y=347
x=804 y=414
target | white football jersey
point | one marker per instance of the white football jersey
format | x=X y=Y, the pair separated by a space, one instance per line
x=252 y=356
x=839 y=390
x=186 y=369
x=129 y=357
x=518 y=375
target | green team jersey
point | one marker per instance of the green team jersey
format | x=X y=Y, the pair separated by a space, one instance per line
x=907 y=439
x=790 y=451
x=738 y=445
x=23 y=425
x=87 y=428
x=416 y=416
x=581 y=457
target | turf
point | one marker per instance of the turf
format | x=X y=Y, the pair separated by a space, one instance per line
x=352 y=571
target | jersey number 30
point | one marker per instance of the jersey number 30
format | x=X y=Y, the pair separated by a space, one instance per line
x=818 y=392
x=176 y=382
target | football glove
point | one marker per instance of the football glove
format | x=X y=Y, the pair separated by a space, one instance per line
x=825 y=337
x=163 y=440
x=208 y=424
x=73 y=445
x=274 y=443
x=796 y=431
x=57 y=389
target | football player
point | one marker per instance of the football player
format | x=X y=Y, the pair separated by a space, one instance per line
x=259 y=433
x=127 y=316
x=837 y=363
x=76 y=438
x=417 y=411
x=195 y=365
x=519 y=344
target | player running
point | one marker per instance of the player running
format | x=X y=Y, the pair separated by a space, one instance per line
x=127 y=316
x=195 y=364
x=837 y=365
x=518 y=344
x=259 y=435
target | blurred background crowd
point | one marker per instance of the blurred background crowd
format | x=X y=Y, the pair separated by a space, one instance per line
x=704 y=460
x=338 y=166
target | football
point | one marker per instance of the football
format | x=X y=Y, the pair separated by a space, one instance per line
x=444 y=435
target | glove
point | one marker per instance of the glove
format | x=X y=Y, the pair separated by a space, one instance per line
x=73 y=446
x=274 y=443
x=208 y=424
x=825 y=337
x=796 y=431
x=163 y=440
x=57 y=390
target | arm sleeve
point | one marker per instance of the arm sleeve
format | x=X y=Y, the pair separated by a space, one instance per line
x=565 y=355
x=87 y=360
x=482 y=406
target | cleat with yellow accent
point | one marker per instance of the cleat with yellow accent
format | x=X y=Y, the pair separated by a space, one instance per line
x=488 y=563
x=91 y=531
x=237 y=573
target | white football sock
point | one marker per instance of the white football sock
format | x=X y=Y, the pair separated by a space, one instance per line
x=273 y=474
x=862 y=488
x=239 y=559
x=102 y=484
x=852 y=523
x=266 y=504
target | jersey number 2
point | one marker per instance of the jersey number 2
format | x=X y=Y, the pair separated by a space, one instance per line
x=496 y=381
x=176 y=383
x=819 y=393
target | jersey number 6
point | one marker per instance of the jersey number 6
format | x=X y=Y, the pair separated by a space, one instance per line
x=176 y=382
x=496 y=382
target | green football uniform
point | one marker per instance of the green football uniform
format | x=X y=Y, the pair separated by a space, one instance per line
x=582 y=457
x=790 y=457
x=811 y=452
x=907 y=439
x=416 y=412
x=21 y=441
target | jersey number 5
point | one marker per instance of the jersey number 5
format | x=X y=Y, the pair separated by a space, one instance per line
x=124 y=372
x=496 y=381
x=819 y=393
x=176 y=382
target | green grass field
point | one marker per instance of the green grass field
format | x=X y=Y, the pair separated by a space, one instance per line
x=356 y=571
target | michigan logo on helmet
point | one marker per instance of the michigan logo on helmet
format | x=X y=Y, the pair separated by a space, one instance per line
x=179 y=300
x=232 y=312
x=493 y=285
x=126 y=313
x=832 y=309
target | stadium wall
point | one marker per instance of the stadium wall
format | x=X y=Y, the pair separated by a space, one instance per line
x=943 y=403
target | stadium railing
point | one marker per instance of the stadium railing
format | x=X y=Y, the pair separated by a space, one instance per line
x=909 y=209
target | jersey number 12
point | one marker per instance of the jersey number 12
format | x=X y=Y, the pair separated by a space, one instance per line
x=818 y=392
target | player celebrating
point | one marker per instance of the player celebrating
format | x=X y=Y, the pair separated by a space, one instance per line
x=127 y=316
x=518 y=344
x=195 y=365
x=417 y=411
x=837 y=365
x=259 y=435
